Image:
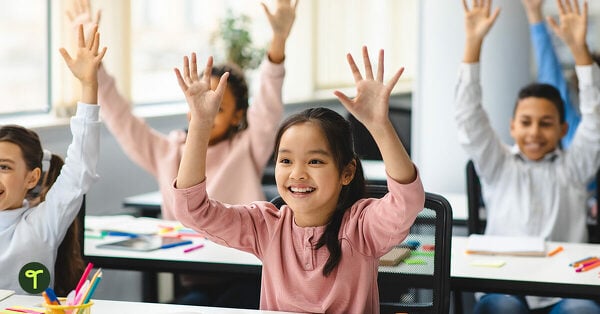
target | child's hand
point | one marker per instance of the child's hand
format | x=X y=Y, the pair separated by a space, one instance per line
x=573 y=23
x=81 y=14
x=533 y=9
x=371 y=104
x=204 y=103
x=88 y=58
x=478 y=20
x=283 y=18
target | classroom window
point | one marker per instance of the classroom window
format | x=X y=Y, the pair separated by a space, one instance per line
x=24 y=56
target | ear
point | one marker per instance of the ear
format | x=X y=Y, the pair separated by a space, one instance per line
x=32 y=178
x=564 y=128
x=512 y=127
x=237 y=117
x=348 y=172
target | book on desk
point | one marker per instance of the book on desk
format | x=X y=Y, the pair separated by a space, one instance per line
x=506 y=245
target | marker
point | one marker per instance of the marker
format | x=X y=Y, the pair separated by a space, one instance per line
x=582 y=261
x=193 y=248
x=92 y=289
x=52 y=296
x=86 y=273
x=557 y=250
x=170 y=245
x=120 y=234
x=588 y=267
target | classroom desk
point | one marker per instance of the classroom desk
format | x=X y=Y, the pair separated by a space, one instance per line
x=546 y=276
x=111 y=307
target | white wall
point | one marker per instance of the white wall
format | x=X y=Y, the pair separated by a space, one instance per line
x=505 y=68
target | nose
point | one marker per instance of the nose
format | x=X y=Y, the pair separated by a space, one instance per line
x=298 y=172
x=535 y=129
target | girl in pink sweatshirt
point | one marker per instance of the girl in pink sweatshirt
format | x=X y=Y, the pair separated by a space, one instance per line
x=319 y=252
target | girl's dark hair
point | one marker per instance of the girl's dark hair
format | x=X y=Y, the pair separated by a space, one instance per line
x=239 y=88
x=69 y=262
x=338 y=133
x=545 y=91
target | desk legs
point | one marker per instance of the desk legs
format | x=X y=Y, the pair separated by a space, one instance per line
x=150 y=287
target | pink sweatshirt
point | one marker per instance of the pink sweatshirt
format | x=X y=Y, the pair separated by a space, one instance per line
x=234 y=168
x=292 y=272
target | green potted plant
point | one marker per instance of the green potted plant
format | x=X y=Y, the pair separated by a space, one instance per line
x=237 y=41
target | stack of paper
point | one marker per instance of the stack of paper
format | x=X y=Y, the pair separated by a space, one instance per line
x=5 y=294
x=505 y=245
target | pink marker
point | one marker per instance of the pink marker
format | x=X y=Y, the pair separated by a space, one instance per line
x=86 y=273
x=193 y=248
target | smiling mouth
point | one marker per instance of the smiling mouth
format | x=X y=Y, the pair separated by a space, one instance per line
x=301 y=190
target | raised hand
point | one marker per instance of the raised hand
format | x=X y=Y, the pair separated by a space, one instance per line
x=478 y=20
x=573 y=25
x=533 y=9
x=81 y=14
x=281 y=21
x=203 y=102
x=371 y=104
x=86 y=62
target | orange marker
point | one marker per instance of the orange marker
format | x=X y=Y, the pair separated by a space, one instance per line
x=557 y=250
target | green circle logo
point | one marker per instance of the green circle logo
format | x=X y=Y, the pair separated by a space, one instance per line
x=34 y=278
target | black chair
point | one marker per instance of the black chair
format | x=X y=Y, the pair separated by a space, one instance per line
x=418 y=288
x=476 y=221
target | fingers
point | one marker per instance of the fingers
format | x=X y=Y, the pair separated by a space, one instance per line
x=354 y=68
x=65 y=55
x=345 y=100
x=392 y=82
x=220 y=90
x=380 y=66
x=561 y=7
x=367 y=62
x=465 y=6
x=180 y=80
x=267 y=12
x=194 y=69
x=80 y=37
x=208 y=70
x=553 y=24
x=100 y=55
x=186 y=68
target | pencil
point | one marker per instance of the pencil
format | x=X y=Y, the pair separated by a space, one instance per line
x=557 y=250
x=193 y=248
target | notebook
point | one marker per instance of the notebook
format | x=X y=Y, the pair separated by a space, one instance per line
x=5 y=294
x=506 y=245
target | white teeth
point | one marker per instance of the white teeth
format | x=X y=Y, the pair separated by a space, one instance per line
x=301 y=190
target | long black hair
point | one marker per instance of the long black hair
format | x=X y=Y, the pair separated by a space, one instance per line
x=338 y=133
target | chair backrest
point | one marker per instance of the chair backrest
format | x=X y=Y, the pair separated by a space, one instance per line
x=476 y=221
x=417 y=288
x=475 y=205
x=422 y=288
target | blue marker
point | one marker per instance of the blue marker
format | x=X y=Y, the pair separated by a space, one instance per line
x=52 y=296
x=170 y=245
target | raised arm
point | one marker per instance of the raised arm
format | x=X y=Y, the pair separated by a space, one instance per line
x=478 y=22
x=204 y=106
x=85 y=64
x=371 y=108
x=572 y=29
x=281 y=21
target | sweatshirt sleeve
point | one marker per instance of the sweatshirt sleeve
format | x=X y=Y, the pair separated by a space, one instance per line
x=374 y=226
x=265 y=112
x=142 y=144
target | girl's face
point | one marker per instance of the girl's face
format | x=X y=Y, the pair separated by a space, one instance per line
x=307 y=176
x=227 y=117
x=15 y=179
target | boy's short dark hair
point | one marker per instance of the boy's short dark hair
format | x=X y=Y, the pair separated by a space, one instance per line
x=545 y=91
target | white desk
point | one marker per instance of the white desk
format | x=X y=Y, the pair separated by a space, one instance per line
x=549 y=276
x=111 y=307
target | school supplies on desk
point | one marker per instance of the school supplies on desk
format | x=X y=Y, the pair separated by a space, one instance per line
x=5 y=294
x=557 y=250
x=394 y=257
x=504 y=245
x=145 y=244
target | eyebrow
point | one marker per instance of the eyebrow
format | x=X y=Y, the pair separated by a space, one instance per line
x=314 y=151
x=7 y=160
